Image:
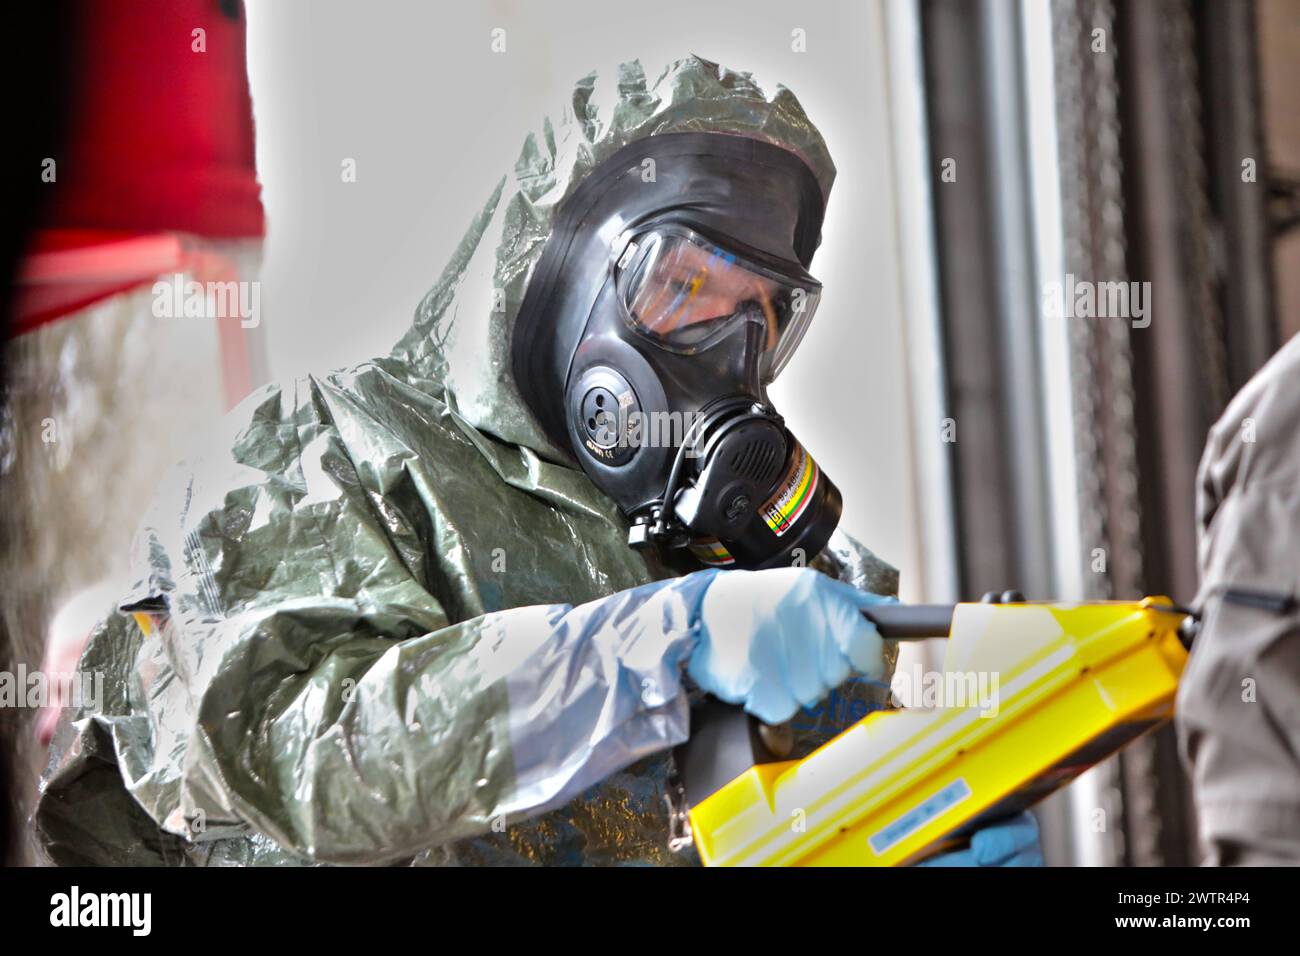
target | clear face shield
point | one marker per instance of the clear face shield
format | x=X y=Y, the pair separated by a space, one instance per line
x=686 y=293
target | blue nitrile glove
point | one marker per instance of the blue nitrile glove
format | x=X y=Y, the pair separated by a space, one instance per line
x=781 y=639
x=1009 y=842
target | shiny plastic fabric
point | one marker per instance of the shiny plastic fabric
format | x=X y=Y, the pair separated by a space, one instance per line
x=387 y=620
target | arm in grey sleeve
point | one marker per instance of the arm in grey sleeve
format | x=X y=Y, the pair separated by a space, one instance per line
x=1238 y=708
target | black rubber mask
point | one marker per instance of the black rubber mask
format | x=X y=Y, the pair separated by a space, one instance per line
x=672 y=291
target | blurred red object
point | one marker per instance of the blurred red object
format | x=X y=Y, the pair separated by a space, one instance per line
x=161 y=136
x=160 y=143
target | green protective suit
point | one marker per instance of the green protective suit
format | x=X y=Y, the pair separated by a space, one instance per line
x=390 y=621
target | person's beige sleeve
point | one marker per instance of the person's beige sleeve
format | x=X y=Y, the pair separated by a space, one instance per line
x=1239 y=701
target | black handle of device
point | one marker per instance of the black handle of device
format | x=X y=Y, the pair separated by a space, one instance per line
x=911 y=622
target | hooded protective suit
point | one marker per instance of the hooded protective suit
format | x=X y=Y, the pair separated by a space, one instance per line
x=393 y=622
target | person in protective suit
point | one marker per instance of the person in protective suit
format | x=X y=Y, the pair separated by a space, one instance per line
x=452 y=605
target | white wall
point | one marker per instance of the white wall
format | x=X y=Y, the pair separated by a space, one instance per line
x=413 y=93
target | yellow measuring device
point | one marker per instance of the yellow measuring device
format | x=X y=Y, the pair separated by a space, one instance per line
x=1073 y=684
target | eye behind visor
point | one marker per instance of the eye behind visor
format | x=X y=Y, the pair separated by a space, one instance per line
x=686 y=293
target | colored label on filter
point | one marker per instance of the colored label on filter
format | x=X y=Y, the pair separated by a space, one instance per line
x=712 y=552
x=796 y=489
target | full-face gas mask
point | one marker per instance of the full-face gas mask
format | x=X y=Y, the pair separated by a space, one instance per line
x=673 y=289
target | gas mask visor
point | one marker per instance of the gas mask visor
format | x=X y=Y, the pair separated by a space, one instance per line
x=685 y=293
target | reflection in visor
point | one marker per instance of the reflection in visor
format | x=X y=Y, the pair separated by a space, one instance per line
x=690 y=285
x=688 y=293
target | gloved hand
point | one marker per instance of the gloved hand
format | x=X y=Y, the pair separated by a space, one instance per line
x=780 y=639
x=1009 y=842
